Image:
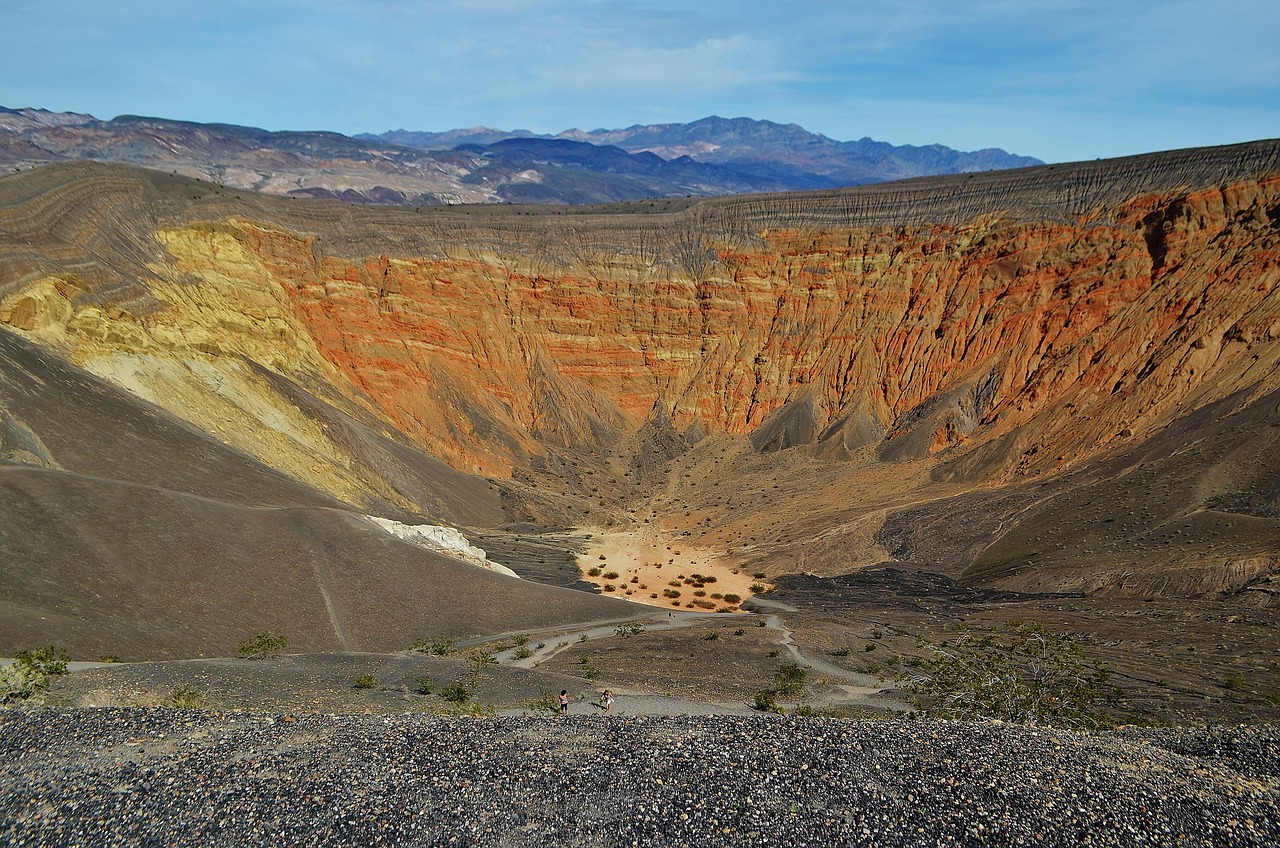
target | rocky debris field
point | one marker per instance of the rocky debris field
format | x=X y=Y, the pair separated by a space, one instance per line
x=202 y=778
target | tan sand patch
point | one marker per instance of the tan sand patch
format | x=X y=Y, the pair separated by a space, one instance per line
x=651 y=567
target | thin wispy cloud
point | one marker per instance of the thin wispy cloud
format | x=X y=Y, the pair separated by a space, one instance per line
x=1060 y=80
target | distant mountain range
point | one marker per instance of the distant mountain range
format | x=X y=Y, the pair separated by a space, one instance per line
x=712 y=156
x=783 y=153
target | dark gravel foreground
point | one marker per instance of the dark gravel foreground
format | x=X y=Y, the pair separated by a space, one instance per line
x=155 y=777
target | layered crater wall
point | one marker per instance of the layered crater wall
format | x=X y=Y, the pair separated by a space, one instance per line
x=1051 y=311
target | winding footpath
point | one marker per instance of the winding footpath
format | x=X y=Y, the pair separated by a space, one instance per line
x=842 y=687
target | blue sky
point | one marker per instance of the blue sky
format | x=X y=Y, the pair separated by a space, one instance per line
x=1060 y=80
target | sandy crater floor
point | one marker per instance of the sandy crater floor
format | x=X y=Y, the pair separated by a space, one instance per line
x=641 y=565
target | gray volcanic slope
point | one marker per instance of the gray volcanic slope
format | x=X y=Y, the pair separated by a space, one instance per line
x=127 y=532
x=160 y=777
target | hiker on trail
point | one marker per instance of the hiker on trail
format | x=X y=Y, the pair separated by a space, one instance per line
x=564 y=701
x=606 y=701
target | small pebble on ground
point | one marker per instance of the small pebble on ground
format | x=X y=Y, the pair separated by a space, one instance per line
x=131 y=776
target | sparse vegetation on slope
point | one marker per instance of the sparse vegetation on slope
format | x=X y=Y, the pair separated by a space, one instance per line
x=1023 y=674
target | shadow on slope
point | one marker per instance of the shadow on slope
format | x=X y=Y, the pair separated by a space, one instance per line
x=127 y=532
x=1190 y=512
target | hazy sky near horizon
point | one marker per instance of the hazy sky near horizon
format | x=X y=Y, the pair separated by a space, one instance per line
x=1060 y=80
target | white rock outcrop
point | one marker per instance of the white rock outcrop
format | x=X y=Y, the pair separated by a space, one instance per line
x=442 y=540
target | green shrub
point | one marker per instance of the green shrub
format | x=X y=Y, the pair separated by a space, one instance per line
x=426 y=685
x=546 y=702
x=1022 y=674
x=440 y=646
x=842 y=651
x=523 y=652
x=31 y=672
x=766 y=701
x=366 y=681
x=731 y=598
x=456 y=693
x=790 y=680
x=187 y=698
x=266 y=644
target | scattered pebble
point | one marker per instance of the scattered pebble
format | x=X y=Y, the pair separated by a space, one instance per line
x=121 y=776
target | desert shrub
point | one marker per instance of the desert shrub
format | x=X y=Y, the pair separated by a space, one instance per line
x=108 y=658
x=699 y=593
x=712 y=637
x=475 y=709
x=456 y=693
x=440 y=646
x=523 y=652
x=611 y=575
x=766 y=701
x=520 y=641
x=731 y=598
x=366 y=681
x=842 y=651
x=268 y=643
x=756 y=588
x=608 y=587
x=670 y=593
x=480 y=656
x=595 y=571
x=187 y=698
x=1022 y=674
x=426 y=685
x=790 y=680
x=546 y=701
x=869 y=647
x=629 y=629
x=31 y=672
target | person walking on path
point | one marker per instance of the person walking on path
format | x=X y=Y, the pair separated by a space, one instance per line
x=564 y=701
x=606 y=701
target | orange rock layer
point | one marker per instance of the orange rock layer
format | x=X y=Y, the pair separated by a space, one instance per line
x=1117 y=320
